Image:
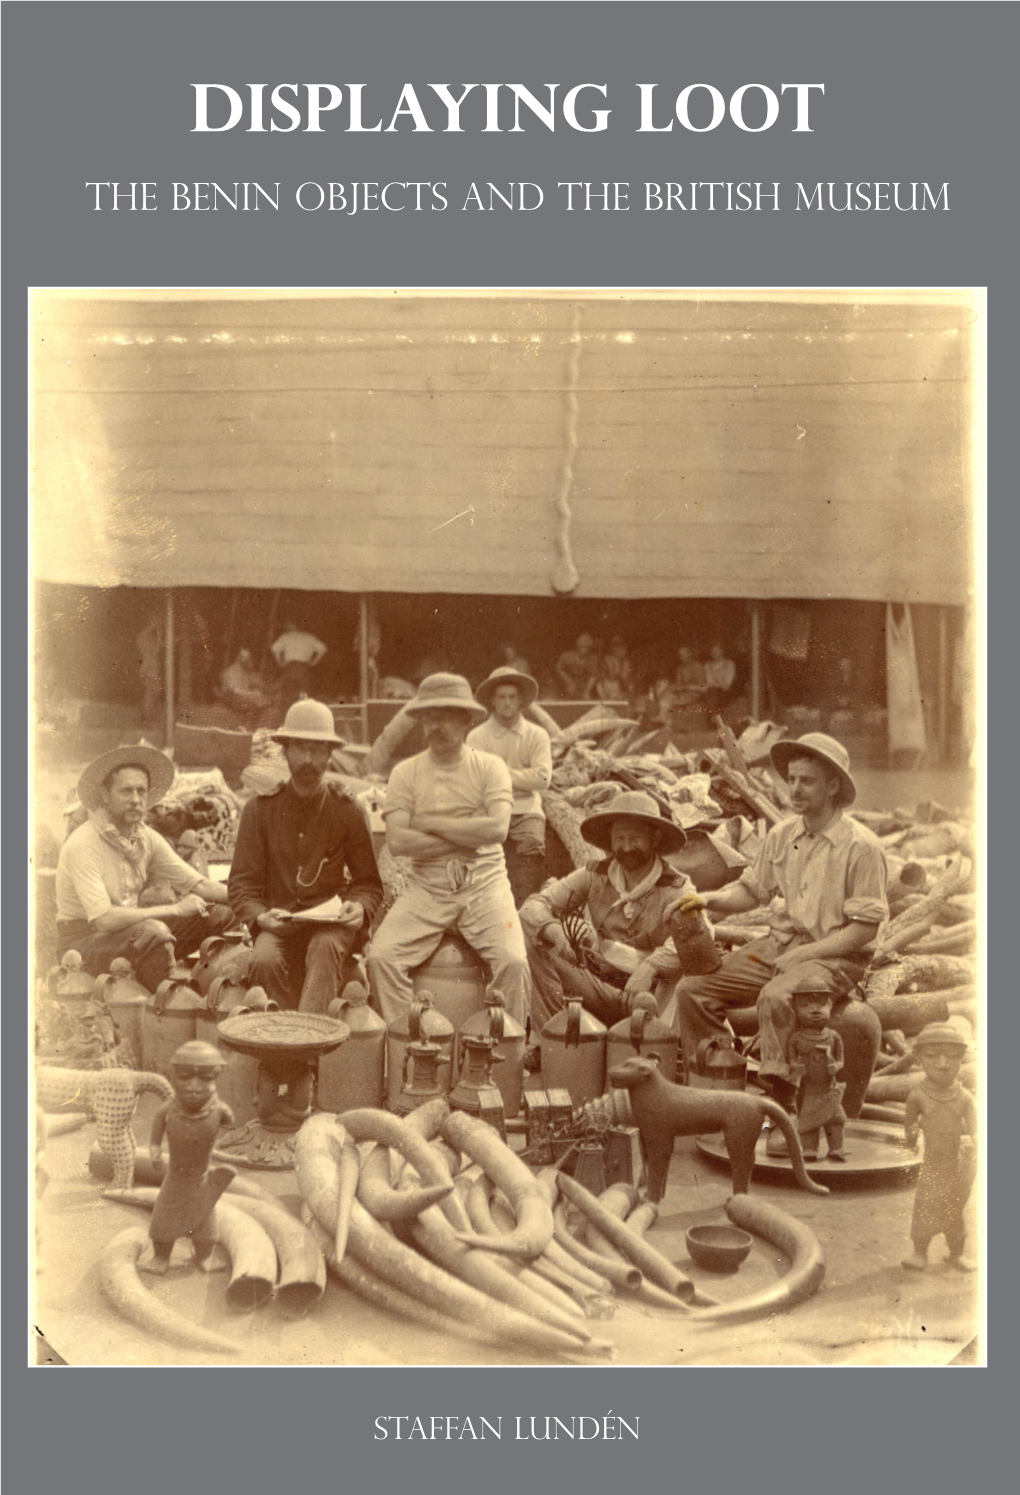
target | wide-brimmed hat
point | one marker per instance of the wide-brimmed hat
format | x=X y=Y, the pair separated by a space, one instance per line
x=635 y=806
x=452 y=691
x=157 y=765
x=308 y=721
x=507 y=675
x=830 y=752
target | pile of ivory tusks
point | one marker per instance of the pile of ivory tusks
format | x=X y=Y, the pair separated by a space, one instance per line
x=272 y=1255
x=482 y=1251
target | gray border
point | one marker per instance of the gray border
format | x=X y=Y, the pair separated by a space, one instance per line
x=913 y=92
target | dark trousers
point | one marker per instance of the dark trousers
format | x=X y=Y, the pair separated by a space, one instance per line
x=301 y=966
x=295 y=680
x=151 y=945
x=524 y=850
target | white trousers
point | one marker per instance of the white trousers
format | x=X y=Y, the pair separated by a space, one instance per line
x=482 y=912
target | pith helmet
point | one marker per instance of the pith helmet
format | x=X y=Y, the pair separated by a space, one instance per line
x=507 y=675
x=827 y=750
x=308 y=721
x=442 y=690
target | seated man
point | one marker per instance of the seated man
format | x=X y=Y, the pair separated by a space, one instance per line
x=527 y=752
x=831 y=873
x=576 y=669
x=107 y=862
x=298 y=846
x=628 y=898
x=448 y=811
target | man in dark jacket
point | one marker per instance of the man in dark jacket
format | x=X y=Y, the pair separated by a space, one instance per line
x=296 y=848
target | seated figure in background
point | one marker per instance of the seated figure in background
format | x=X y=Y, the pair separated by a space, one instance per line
x=243 y=688
x=720 y=674
x=577 y=670
x=616 y=673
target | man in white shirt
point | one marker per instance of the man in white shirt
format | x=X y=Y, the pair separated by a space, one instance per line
x=107 y=863
x=527 y=752
x=447 y=811
x=296 y=652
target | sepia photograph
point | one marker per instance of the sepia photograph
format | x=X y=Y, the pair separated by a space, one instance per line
x=507 y=785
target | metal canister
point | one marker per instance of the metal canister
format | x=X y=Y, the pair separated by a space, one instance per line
x=421 y=1022
x=221 y=997
x=126 y=998
x=718 y=1065
x=643 y=1033
x=476 y=1091
x=496 y=1023
x=455 y=978
x=68 y=982
x=355 y=1074
x=422 y=1082
x=222 y=955
x=168 y=1020
x=573 y=1046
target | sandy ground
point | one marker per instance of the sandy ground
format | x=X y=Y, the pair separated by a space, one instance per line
x=870 y=1310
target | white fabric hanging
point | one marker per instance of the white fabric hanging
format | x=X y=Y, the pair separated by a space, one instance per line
x=903 y=685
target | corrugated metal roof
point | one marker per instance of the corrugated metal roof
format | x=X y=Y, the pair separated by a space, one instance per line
x=418 y=444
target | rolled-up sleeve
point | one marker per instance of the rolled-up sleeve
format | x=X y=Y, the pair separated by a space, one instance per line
x=760 y=877
x=536 y=772
x=866 y=877
x=166 y=866
x=399 y=790
x=84 y=867
x=565 y=896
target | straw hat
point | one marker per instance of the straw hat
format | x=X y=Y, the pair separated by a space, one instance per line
x=157 y=765
x=507 y=675
x=442 y=690
x=827 y=750
x=635 y=806
x=308 y=721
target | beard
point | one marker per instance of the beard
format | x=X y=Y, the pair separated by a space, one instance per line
x=633 y=860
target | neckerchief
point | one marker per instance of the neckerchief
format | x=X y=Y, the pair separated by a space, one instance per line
x=629 y=896
x=132 y=848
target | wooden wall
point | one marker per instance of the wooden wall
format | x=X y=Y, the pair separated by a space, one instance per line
x=724 y=449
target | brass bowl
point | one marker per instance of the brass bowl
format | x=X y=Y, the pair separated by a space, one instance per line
x=718 y=1248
